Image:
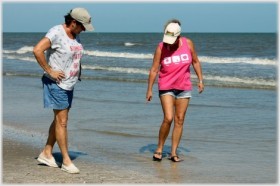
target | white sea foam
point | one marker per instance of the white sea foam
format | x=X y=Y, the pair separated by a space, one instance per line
x=25 y=49
x=27 y=59
x=22 y=50
x=11 y=55
x=203 y=59
x=118 y=54
x=239 y=80
x=210 y=78
x=130 y=44
x=117 y=69
x=245 y=60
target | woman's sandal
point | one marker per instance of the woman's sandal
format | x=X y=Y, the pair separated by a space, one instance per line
x=174 y=160
x=156 y=158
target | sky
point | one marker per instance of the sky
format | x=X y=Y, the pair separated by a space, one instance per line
x=113 y=16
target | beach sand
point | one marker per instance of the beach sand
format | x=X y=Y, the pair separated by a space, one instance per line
x=21 y=167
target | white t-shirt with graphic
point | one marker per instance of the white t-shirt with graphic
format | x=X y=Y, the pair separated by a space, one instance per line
x=64 y=54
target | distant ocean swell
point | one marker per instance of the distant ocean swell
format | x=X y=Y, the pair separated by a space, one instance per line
x=25 y=54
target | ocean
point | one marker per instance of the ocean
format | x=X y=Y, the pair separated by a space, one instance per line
x=230 y=132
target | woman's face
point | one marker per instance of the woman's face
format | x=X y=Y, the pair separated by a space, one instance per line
x=81 y=26
x=78 y=27
x=175 y=45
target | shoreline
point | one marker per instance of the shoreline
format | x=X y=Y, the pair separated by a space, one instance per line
x=21 y=167
x=118 y=148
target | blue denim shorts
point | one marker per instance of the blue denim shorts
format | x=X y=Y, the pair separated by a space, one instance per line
x=54 y=96
x=177 y=94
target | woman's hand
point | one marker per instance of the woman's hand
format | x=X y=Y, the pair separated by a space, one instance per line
x=200 y=87
x=149 y=96
x=57 y=75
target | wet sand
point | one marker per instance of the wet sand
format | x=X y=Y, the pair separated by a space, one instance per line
x=221 y=144
x=21 y=167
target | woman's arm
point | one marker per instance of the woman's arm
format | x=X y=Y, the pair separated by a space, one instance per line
x=39 y=54
x=153 y=74
x=196 y=66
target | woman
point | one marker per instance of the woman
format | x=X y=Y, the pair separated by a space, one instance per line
x=172 y=59
x=61 y=67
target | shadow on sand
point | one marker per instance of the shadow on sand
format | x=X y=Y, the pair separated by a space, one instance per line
x=166 y=149
x=58 y=156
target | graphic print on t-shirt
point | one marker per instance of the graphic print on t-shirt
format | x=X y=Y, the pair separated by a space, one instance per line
x=176 y=59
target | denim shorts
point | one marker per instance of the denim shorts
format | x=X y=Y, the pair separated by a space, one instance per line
x=54 y=96
x=177 y=94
